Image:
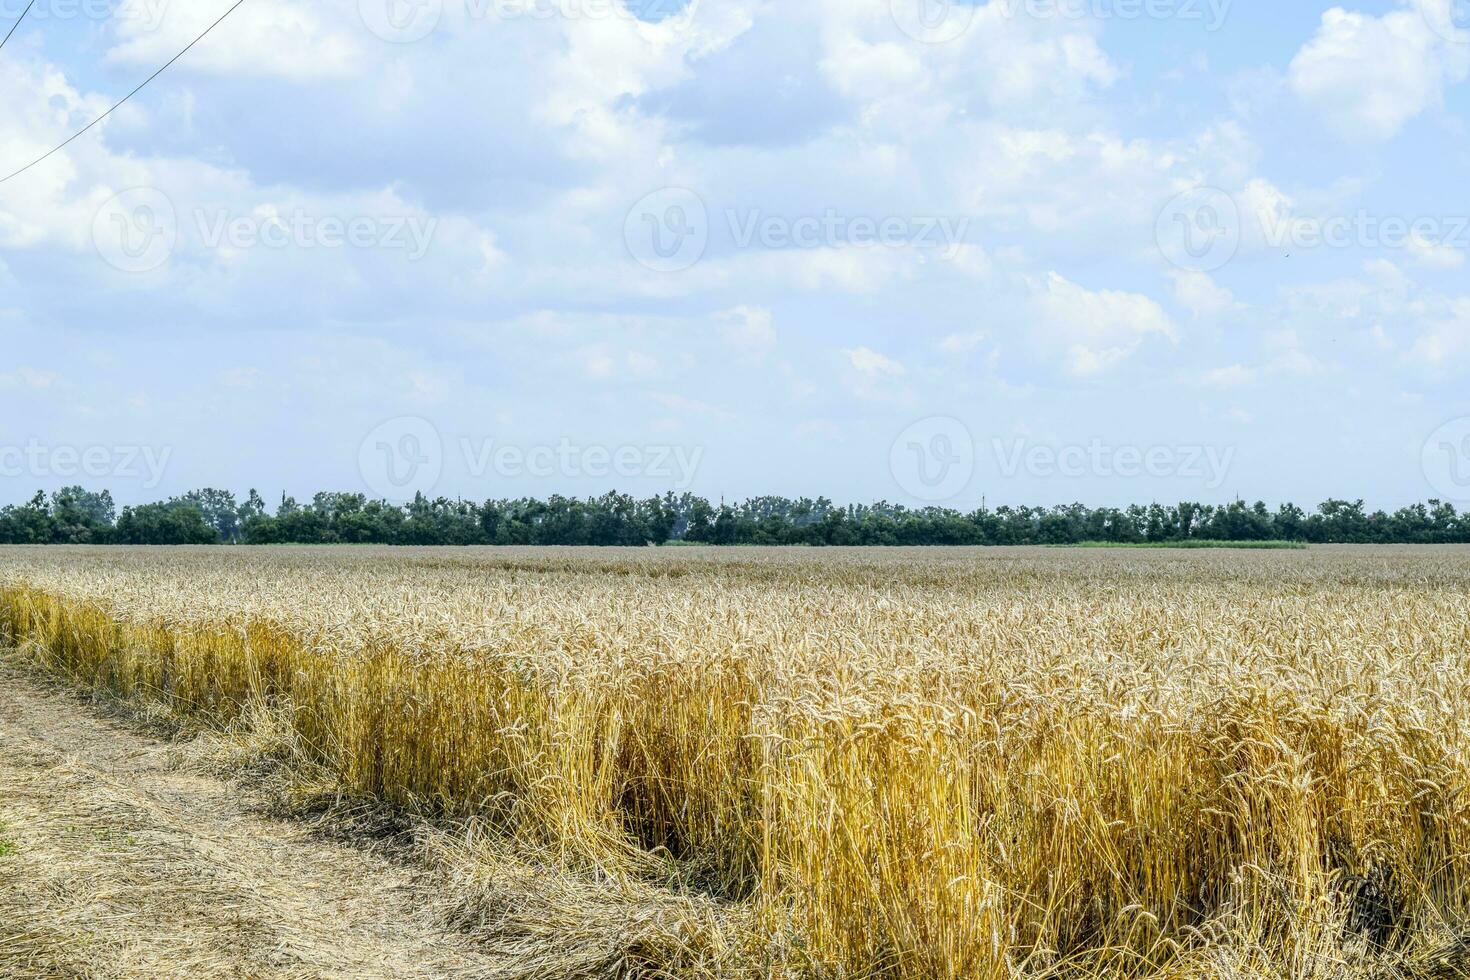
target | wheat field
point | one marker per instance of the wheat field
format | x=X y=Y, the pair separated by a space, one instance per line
x=851 y=764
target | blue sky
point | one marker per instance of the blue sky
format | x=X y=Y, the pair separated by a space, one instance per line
x=1031 y=250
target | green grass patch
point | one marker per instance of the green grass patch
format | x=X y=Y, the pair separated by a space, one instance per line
x=1190 y=545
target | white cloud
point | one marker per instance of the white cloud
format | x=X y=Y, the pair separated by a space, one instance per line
x=640 y=364
x=1266 y=214
x=872 y=364
x=1003 y=171
x=490 y=254
x=300 y=42
x=869 y=72
x=602 y=61
x=685 y=407
x=1435 y=255
x=1199 y=294
x=28 y=378
x=243 y=378
x=601 y=362
x=1002 y=59
x=1445 y=338
x=53 y=203
x=65 y=201
x=1368 y=76
x=598 y=362
x=971 y=260
x=855 y=270
x=823 y=429
x=1382 y=288
x=1387 y=275
x=1342 y=299
x=748 y=330
x=1287 y=354
x=849 y=269
x=1096 y=331
x=1232 y=376
x=874 y=377
x=962 y=343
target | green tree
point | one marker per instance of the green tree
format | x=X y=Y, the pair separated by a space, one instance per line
x=28 y=523
x=169 y=523
x=81 y=517
x=220 y=510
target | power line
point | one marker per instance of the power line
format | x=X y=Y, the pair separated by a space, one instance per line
x=17 y=21
x=125 y=98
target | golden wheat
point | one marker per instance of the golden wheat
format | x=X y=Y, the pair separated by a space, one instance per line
x=907 y=764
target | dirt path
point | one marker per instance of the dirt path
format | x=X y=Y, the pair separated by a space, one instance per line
x=115 y=864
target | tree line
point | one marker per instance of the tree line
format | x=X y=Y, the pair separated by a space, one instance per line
x=78 y=516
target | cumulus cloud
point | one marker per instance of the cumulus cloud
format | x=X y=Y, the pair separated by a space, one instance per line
x=1445 y=337
x=690 y=407
x=748 y=330
x=27 y=378
x=1096 y=330
x=1435 y=255
x=1381 y=287
x=997 y=61
x=1287 y=353
x=1368 y=76
x=301 y=42
x=1230 y=376
x=963 y=343
x=54 y=203
x=1200 y=294
x=222 y=239
x=871 y=376
x=871 y=364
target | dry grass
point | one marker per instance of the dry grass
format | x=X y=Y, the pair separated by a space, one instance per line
x=127 y=865
x=899 y=764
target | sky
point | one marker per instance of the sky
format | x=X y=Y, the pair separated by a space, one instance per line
x=923 y=251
